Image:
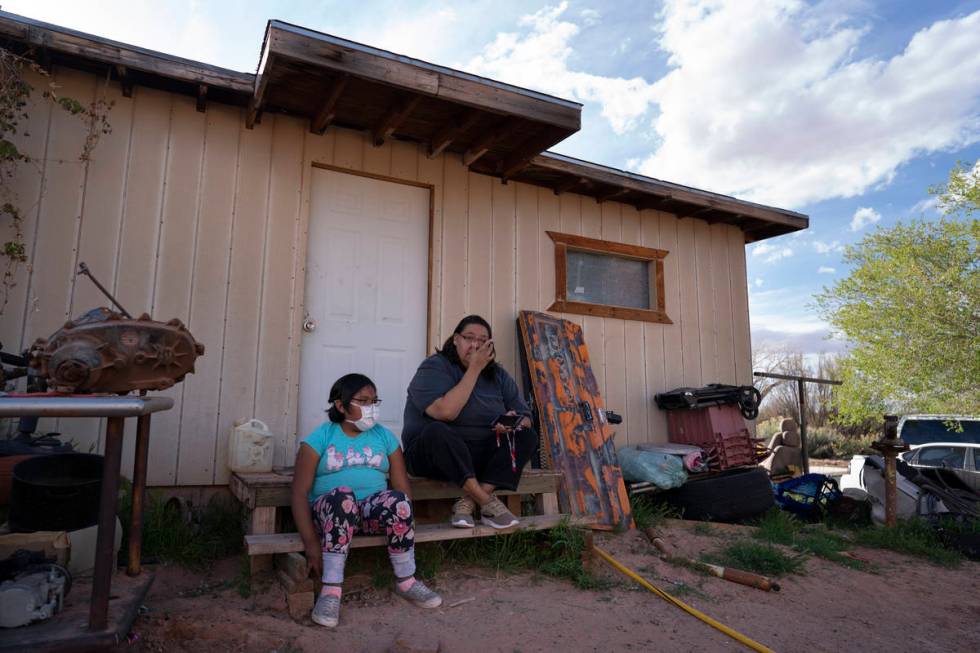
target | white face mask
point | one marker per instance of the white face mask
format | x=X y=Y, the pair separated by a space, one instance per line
x=369 y=417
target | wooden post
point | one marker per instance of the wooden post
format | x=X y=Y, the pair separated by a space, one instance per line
x=263 y=522
x=801 y=390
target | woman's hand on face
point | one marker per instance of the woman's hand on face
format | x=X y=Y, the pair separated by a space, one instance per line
x=314 y=558
x=482 y=355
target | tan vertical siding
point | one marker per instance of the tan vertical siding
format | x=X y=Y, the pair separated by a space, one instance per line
x=209 y=293
x=190 y=215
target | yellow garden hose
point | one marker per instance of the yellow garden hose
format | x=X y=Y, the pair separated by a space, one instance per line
x=734 y=634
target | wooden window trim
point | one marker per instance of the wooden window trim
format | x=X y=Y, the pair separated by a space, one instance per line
x=564 y=242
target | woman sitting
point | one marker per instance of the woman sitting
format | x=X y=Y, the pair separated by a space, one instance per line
x=451 y=429
x=339 y=488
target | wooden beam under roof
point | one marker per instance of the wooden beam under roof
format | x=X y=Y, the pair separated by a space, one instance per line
x=483 y=144
x=396 y=114
x=376 y=65
x=202 y=97
x=326 y=113
x=125 y=81
x=456 y=128
x=612 y=194
x=567 y=184
x=521 y=157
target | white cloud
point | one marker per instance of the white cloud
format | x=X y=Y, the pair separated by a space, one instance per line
x=823 y=269
x=928 y=205
x=772 y=253
x=767 y=101
x=538 y=57
x=590 y=16
x=825 y=248
x=863 y=217
x=758 y=282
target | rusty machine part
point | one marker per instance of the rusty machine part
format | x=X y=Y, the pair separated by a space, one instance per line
x=103 y=351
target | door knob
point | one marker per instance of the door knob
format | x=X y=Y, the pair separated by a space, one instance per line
x=309 y=325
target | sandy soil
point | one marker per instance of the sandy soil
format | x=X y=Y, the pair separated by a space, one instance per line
x=907 y=605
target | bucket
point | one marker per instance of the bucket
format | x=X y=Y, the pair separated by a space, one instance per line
x=59 y=492
x=250 y=448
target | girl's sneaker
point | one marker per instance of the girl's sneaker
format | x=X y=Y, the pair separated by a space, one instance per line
x=419 y=595
x=326 y=612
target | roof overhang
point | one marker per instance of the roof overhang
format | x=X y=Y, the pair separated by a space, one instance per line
x=496 y=127
x=566 y=174
x=129 y=65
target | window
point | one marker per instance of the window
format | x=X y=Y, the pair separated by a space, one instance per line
x=607 y=279
x=948 y=457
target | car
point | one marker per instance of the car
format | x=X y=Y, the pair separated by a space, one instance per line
x=924 y=429
x=962 y=458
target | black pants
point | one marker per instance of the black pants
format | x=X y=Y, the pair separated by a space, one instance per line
x=440 y=453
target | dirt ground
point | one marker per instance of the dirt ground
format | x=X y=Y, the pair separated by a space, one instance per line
x=905 y=605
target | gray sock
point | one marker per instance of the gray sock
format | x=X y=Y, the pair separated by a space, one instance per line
x=402 y=562
x=333 y=567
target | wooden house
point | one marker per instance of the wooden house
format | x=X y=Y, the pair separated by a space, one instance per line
x=341 y=210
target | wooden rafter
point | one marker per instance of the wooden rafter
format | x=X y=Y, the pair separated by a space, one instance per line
x=567 y=185
x=202 y=97
x=253 y=114
x=455 y=129
x=392 y=119
x=327 y=112
x=125 y=81
x=520 y=158
x=485 y=142
x=612 y=194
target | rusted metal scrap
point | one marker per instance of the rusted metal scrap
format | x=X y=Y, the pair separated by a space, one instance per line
x=104 y=351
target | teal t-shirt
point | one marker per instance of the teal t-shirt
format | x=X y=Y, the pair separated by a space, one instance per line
x=360 y=463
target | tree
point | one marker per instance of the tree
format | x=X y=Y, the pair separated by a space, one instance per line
x=911 y=310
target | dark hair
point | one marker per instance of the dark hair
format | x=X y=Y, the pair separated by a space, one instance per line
x=344 y=389
x=449 y=349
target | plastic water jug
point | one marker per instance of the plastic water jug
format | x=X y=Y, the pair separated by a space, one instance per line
x=250 y=448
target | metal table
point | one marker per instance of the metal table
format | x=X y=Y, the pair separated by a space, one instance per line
x=116 y=409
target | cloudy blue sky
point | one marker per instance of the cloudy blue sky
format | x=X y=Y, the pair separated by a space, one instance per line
x=846 y=110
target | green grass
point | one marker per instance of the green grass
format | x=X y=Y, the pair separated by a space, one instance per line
x=780 y=527
x=648 y=512
x=913 y=537
x=757 y=557
x=556 y=552
x=213 y=532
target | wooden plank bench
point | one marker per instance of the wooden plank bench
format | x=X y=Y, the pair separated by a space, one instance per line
x=264 y=494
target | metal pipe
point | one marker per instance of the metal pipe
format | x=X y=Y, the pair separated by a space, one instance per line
x=83 y=269
x=82 y=406
x=104 y=563
x=133 y=567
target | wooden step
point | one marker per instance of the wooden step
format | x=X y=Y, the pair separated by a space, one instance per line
x=258 y=490
x=288 y=542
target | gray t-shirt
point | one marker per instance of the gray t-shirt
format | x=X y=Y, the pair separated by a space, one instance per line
x=436 y=376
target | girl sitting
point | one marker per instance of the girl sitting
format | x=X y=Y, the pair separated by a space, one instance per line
x=339 y=487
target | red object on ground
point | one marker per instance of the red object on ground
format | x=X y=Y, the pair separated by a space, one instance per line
x=719 y=430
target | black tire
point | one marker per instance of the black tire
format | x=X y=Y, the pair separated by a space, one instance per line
x=728 y=496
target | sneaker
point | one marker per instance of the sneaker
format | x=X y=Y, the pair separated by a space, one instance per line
x=463 y=513
x=420 y=595
x=496 y=515
x=326 y=612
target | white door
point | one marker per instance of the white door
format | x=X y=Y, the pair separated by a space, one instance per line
x=366 y=290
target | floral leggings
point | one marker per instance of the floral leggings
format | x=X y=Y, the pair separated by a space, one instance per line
x=337 y=515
